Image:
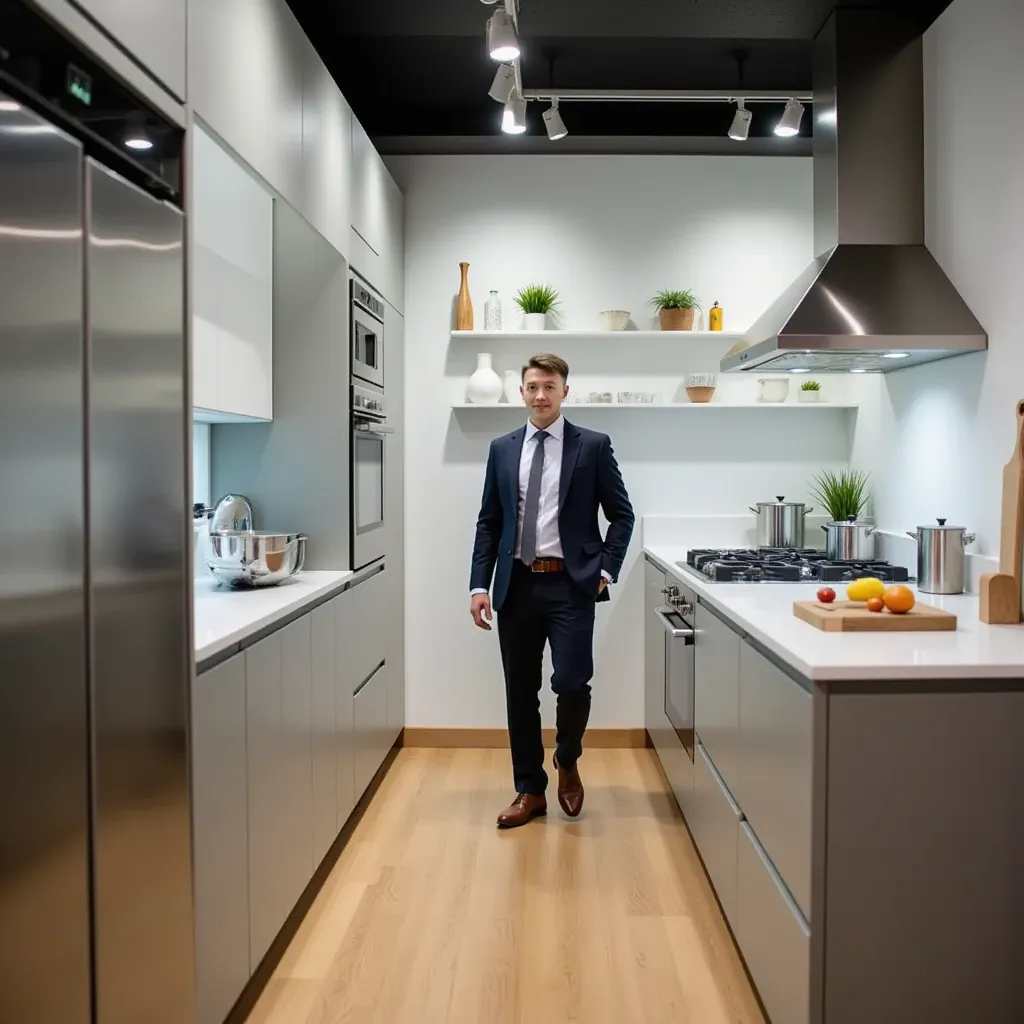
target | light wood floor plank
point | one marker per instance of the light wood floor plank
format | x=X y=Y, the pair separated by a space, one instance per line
x=433 y=916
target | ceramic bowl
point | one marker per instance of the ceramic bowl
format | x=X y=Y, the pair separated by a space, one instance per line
x=614 y=320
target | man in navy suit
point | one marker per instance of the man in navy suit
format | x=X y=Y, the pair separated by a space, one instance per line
x=538 y=537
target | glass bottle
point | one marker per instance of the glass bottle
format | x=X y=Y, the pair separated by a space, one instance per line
x=492 y=312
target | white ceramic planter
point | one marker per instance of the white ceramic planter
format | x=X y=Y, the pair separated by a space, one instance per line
x=535 y=321
x=485 y=386
x=808 y=396
x=512 y=394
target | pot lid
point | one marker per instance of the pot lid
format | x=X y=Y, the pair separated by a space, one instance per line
x=850 y=523
x=940 y=524
x=780 y=500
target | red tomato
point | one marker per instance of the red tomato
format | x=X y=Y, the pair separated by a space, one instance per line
x=826 y=595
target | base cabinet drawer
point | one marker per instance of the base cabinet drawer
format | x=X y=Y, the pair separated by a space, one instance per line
x=714 y=822
x=369 y=728
x=773 y=936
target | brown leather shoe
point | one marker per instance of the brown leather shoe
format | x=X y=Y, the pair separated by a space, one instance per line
x=523 y=809
x=570 y=790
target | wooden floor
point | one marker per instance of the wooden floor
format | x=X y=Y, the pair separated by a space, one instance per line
x=432 y=915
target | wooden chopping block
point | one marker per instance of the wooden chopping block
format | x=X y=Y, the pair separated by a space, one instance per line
x=1001 y=591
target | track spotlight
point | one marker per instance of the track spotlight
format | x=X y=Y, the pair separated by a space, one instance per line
x=513 y=117
x=504 y=83
x=740 y=127
x=502 y=43
x=553 y=122
x=789 y=123
x=135 y=136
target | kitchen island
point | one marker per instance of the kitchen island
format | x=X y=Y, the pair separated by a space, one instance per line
x=855 y=798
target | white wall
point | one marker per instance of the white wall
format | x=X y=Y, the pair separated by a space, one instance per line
x=947 y=429
x=201 y=463
x=607 y=232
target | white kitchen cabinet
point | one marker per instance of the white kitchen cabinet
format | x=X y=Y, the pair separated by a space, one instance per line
x=245 y=67
x=232 y=285
x=346 y=634
x=220 y=838
x=368 y=646
x=393 y=256
x=152 y=31
x=716 y=709
x=370 y=728
x=323 y=732
x=714 y=821
x=367 y=209
x=326 y=152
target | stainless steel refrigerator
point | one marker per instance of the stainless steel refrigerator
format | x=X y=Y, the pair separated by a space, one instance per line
x=95 y=839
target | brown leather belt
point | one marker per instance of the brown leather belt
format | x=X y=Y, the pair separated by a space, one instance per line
x=547 y=565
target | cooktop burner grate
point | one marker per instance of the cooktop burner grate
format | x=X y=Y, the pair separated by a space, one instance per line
x=785 y=565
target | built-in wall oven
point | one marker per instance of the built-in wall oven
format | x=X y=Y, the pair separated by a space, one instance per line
x=368 y=514
x=677 y=617
x=366 y=332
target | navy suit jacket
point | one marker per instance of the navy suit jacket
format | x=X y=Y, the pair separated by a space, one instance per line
x=590 y=479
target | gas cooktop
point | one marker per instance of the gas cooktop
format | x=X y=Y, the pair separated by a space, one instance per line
x=783 y=565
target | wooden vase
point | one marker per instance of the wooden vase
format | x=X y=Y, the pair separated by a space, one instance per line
x=464 y=311
x=676 y=319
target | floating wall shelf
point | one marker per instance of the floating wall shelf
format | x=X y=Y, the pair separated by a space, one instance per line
x=598 y=334
x=652 y=407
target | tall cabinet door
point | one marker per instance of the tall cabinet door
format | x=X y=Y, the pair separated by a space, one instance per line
x=323 y=730
x=44 y=872
x=139 y=593
x=346 y=633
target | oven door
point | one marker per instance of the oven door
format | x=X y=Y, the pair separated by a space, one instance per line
x=367 y=346
x=368 y=512
x=679 y=675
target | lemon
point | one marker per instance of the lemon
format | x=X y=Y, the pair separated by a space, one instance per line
x=865 y=588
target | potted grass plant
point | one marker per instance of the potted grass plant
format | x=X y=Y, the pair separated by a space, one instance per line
x=536 y=301
x=675 y=309
x=843 y=495
x=810 y=391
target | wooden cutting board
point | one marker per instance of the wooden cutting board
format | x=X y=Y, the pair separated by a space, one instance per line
x=853 y=617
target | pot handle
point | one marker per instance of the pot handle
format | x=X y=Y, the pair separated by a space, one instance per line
x=756 y=512
x=871 y=530
x=970 y=538
x=808 y=511
x=824 y=528
x=914 y=534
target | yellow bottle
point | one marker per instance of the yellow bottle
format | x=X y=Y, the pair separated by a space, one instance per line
x=715 y=317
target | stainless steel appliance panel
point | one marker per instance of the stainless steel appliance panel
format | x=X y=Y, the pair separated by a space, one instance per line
x=679 y=674
x=44 y=799
x=776 y=768
x=139 y=586
x=369 y=511
x=674 y=760
x=367 y=333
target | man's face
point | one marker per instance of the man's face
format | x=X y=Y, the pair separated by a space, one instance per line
x=543 y=393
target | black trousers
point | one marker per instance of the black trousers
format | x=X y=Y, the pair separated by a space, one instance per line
x=545 y=607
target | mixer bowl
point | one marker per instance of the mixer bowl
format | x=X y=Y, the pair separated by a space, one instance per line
x=254 y=558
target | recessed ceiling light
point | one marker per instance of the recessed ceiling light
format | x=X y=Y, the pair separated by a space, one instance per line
x=513 y=117
x=789 y=123
x=800 y=369
x=740 y=127
x=502 y=43
x=858 y=369
x=9 y=106
x=895 y=355
x=138 y=142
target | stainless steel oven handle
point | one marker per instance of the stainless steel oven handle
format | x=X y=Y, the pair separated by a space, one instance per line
x=369 y=427
x=676 y=634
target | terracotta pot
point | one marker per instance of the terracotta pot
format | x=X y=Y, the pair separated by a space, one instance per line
x=676 y=319
x=699 y=395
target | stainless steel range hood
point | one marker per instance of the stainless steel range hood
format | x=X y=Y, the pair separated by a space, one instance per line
x=874 y=299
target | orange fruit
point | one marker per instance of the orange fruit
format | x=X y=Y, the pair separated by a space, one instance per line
x=898 y=599
x=875 y=604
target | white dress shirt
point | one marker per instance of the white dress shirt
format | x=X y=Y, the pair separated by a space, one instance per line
x=549 y=540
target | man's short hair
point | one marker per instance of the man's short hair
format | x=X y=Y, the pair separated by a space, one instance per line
x=549 y=363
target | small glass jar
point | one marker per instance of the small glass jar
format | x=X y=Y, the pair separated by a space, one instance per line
x=492 y=312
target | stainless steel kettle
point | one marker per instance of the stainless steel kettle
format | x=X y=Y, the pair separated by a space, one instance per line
x=941 y=557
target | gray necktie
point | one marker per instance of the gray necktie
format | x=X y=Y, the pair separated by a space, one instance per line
x=528 y=549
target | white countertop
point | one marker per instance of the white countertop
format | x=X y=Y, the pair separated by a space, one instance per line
x=224 y=617
x=765 y=611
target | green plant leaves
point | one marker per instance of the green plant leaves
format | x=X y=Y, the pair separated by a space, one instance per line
x=842 y=494
x=675 y=298
x=537 y=298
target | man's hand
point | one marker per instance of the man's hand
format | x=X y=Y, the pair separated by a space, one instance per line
x=480 y=609
x=602 y=586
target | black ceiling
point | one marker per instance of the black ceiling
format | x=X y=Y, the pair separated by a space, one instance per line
x=420 y=68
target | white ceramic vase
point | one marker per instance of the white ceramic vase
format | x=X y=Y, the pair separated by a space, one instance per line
x=535 y=321
x=808 y=396
x=485 y=386
x=512 y=393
